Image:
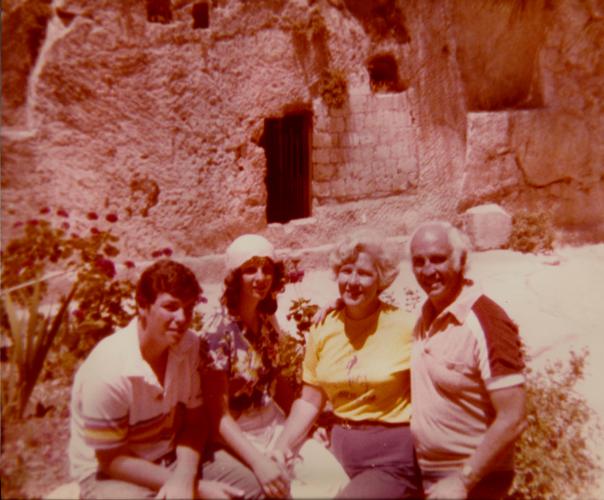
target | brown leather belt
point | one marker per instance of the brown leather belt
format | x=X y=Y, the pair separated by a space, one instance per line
x=360 y=424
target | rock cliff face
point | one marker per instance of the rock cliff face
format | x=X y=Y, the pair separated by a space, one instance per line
x=178 y=115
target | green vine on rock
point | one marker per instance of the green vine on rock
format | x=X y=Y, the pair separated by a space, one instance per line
x=333 y=88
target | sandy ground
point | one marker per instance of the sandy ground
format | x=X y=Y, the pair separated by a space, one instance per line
x=557 y=301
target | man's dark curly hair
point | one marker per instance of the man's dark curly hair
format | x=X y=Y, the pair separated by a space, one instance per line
x=167 y=276
x=232 y=289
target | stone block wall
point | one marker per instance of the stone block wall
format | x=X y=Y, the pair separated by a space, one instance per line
x=367 y=149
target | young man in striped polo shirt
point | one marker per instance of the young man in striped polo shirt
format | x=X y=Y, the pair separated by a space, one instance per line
x=137 y=424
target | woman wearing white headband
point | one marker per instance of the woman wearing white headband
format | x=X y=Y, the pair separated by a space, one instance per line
x=241 y=349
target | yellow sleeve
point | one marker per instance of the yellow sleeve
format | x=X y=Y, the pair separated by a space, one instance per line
x=309 y=365
x=406 y=325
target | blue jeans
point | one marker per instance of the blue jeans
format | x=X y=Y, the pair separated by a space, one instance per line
x=379 y=459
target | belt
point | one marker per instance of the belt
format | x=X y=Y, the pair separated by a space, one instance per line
x=363 y=424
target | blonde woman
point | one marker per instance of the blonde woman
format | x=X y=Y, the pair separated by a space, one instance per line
x=359 y=361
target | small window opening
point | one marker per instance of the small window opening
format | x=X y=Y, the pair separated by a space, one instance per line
x=159 y=11
x=201 y=15
x=286 y=142
x=383 y=74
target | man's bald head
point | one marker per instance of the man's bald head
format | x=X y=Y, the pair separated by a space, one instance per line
x=438 y=259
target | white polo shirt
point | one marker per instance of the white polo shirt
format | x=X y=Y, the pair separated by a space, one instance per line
x=117 y=400
x=458 y=357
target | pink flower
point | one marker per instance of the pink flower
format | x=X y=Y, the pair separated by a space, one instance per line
x=167 y=251
x=157 y=253
x=65 y=225
x=106 y=266
x=129 y=264
x=33 y=222
x=94 y=230
x=62 y=213
x=111 y=217
x=45 y=210
x=295 y=276
x=92 y=216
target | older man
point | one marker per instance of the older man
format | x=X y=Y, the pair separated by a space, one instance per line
x=467 y=380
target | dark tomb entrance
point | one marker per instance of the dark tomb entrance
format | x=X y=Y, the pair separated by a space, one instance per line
x=287 y=145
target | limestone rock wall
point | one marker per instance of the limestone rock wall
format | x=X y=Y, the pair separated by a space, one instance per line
x=163 y=122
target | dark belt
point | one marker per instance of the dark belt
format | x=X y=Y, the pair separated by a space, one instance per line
x=364 y=424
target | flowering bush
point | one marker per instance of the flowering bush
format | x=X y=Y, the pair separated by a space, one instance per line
x=47 y=252
x=301 y=311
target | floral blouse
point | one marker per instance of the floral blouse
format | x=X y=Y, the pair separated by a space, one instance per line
x=251 y=362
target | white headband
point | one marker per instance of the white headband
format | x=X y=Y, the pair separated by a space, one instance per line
x=246 y=247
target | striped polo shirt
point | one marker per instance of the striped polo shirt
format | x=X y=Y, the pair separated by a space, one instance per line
x=118 y=401
x=458 y=356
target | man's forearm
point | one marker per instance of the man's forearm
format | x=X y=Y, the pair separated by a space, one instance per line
x=137 y=471
x=501 y=435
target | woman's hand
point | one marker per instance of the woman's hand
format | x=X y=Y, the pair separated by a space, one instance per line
x=273 y=477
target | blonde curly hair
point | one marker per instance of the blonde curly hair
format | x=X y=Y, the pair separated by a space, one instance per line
x=373 y=243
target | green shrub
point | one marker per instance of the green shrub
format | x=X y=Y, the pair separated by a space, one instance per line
x=531 y=232
x=316 y=26
x=334 y=88
x=553 y=459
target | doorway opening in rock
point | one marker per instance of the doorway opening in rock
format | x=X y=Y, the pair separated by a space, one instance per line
x=286 y=142
x=159 y=11
x=201 y=15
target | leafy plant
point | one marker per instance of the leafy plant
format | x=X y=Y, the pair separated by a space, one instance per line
x=553 y=459
x=317 y=26
x=46 y=253
x=333 y=88
x=531 y=232
x=32 y=334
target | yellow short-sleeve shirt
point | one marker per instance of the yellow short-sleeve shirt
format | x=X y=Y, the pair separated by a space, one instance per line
x=363 y=365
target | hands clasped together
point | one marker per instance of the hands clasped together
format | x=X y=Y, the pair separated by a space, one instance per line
x=275 y=473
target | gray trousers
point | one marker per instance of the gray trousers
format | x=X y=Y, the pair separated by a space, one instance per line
x=380 y=461
x=221 y=467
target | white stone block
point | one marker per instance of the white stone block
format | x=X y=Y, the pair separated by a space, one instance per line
x=488 y=226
